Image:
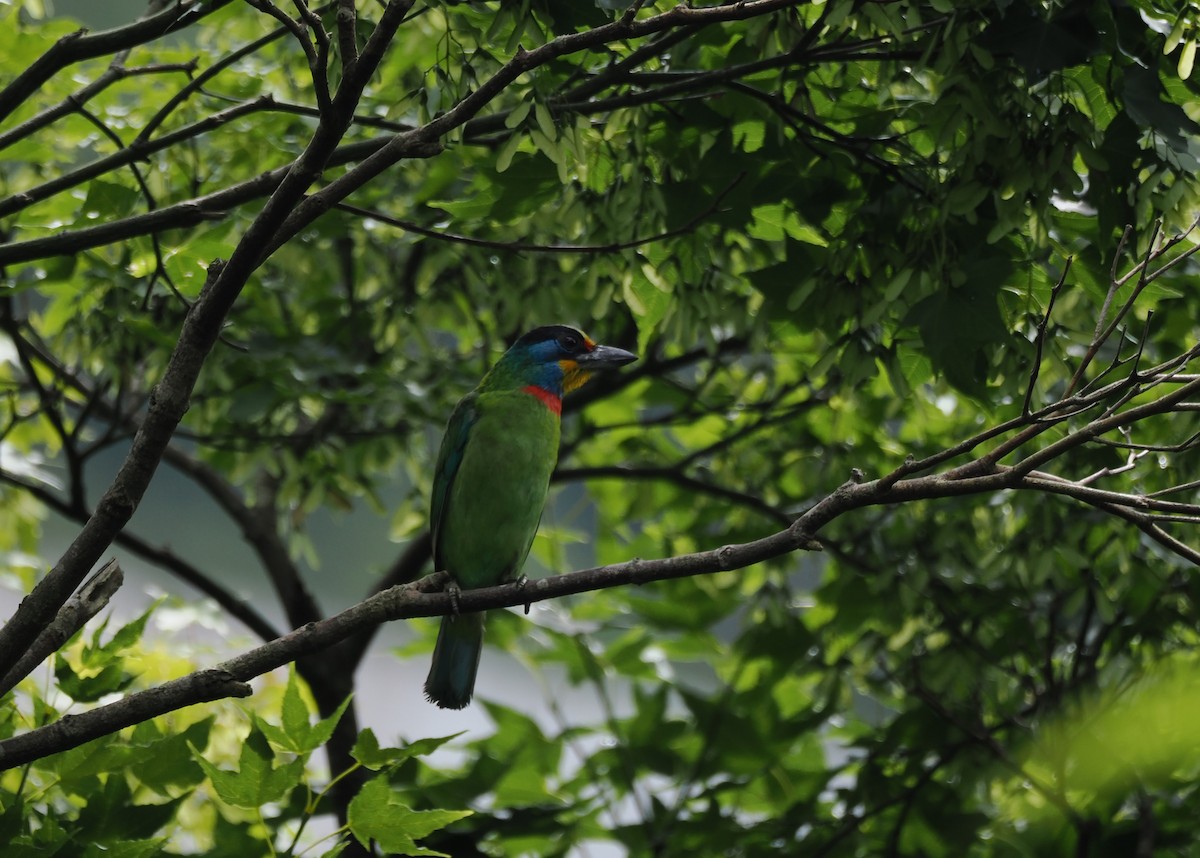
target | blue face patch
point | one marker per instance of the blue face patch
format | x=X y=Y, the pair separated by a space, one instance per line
x=547 y=351
x=546 y=358
x=539 y=365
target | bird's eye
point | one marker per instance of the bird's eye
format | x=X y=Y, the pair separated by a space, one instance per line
x=569 y=343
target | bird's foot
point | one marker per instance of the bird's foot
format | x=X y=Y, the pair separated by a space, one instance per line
x=453 y=590
x=522 y=582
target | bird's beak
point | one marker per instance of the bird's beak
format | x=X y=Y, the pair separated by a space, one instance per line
x=605 y=357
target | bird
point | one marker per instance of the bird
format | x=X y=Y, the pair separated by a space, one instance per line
x=491 y=478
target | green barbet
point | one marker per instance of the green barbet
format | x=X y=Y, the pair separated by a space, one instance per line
x=490 y=485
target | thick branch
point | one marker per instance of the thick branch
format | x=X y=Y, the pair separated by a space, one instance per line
x=419 y=599
x=71 y=731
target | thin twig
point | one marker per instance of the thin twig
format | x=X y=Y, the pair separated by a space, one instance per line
x=1040 y=339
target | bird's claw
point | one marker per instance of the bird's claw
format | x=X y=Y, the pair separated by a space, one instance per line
x=453 y=590
x=522 y=582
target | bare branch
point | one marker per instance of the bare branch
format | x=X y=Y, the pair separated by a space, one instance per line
x=319 y=67
x=311 y=53
x=1145 y=276
x=1040 y=339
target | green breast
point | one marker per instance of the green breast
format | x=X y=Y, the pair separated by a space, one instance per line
x=495 y=501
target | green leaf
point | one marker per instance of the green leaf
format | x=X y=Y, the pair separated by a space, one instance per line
x=475 y=206
x=517 y=115
x=376 y=814
x=337 y=849
x=170 y=763
x=106 y=201
x=130 y=634
x=257 y=781
x=367 y=751
x=125 y=849
x=111 y=815
x=294 y=714
x=749 y=135
x=79 y=767
x=647 y=294
x=770 y=222
x=295 y=733
x=545 y=122
x=962 y=327
x=507 y=151
x=90 y=686
x=101 y=670
x=1187 y=59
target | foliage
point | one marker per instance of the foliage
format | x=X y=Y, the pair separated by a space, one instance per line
x=843 y=235
x=117 y=798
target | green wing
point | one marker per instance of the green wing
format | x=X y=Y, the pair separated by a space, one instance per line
x=454 y=442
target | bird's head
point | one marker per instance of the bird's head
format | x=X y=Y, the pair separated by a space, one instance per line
x=558 y=359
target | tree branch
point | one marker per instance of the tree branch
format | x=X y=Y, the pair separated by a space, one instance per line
x=421 y=599
x=71 y=731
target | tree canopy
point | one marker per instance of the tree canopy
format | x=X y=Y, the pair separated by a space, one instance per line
x=906 y=467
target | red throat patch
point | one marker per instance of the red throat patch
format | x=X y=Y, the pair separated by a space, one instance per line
x=551 y=401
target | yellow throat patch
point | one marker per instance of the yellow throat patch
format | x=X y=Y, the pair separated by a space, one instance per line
x=574 y=377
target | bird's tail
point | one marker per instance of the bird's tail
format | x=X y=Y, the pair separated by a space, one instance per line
x=455 y=661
